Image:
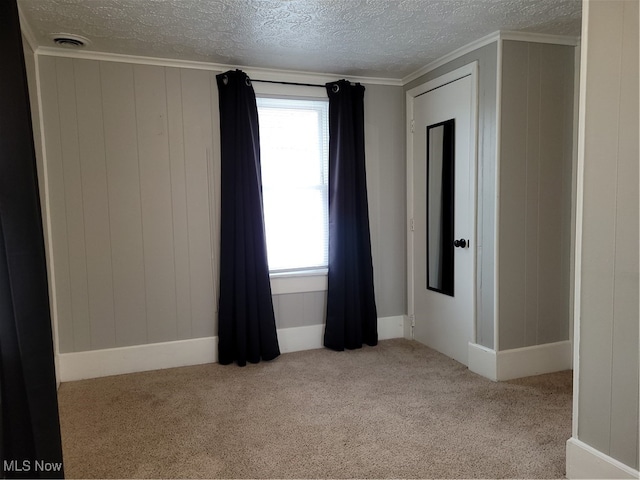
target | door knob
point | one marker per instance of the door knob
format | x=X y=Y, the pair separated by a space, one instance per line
x=462 y=243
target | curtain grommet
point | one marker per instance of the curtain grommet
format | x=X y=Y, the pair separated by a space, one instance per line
x=225 y=80
x=247 y=81
x=335 y=88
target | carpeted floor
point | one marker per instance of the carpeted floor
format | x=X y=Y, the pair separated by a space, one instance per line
x=395 y=410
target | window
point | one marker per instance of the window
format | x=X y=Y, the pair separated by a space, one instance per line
x=294 y=145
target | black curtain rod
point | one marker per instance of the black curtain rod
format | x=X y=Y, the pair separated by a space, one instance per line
x=290 y=83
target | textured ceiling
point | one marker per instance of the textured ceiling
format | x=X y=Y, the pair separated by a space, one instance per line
x=375 y=38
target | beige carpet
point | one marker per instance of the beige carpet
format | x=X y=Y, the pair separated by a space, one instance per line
x=395 y=410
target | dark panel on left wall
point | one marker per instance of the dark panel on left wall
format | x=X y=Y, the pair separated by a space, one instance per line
x=31 y=445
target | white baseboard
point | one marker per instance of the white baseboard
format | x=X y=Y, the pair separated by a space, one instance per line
x=181 y=353
x=534 y=360
x=482 y=360
x=520 y=362
x=295 y=339
x=390 y=327
x=584 y=461
x=137 y=358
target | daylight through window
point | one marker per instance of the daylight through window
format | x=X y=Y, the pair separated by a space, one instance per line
x=294 y=144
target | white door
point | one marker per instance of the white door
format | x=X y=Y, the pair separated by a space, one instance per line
x=443 y=181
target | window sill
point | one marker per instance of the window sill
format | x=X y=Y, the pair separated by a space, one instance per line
x=299 y=282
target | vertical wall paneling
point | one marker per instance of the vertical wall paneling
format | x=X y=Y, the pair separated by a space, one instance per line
x=214 y=191
x=134 y=170
x=553 y=282
x=535 y=193
x=291 y=310
x=73 y=205
x=486 y=197
x=532 y=188
x=300 y=309
x=598 y=244
x=51 y=118
x=487 y=58
x=156 y=202
x=386 y=177
x=515 y=139
x=95 y=192
x=128 y=148
x=608 y=360
x=176 y=148
x=196 y=103
x=374 y=194
x=624 y=381
x=314 y=308
x=125 y=215
x=570 y=188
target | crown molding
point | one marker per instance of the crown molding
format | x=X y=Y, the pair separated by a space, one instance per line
x=469 y=47
x=295 y=75
x=486 y=40
x=257 y=72
x=539 y=38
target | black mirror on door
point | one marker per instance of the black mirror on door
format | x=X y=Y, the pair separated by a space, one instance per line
x=440 y=206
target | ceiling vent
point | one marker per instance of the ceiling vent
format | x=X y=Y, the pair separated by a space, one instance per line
x=68 y=40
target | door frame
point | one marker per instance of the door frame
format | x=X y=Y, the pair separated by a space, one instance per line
x=466 y=70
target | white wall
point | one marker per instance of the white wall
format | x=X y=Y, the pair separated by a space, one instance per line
x=487 y=58
x=606 y=376
x=130 y=160
x=536 y=156
x=525 y=129
x=386 y=178
x=132 y=153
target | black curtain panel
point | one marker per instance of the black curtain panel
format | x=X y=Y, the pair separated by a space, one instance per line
x=351 y=307
x=31 y=445
x=246 y=323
